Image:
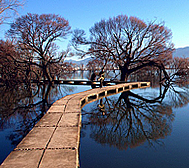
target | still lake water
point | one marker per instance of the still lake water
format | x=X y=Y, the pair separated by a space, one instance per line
x=139 y=134
x=21 y=107
x=140 y=128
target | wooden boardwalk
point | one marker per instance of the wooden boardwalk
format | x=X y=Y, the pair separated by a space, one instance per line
x=81 y=82
x=54 y=140
x=88 y=82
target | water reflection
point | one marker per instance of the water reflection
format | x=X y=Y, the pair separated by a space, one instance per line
x=130 y=120
x=23 y=105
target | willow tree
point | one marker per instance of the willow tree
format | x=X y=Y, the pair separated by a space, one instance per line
x=36 y=36
x=126 y=42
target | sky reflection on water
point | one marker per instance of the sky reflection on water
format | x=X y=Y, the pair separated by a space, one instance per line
x=158 y=137
x=22 y=106
x=146 y=133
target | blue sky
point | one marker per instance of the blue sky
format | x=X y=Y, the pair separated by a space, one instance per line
x=84 y=13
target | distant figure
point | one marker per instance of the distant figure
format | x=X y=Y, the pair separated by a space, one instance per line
x=93 y=77
x=101 y=79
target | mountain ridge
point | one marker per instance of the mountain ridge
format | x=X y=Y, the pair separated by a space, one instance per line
x=179 y=52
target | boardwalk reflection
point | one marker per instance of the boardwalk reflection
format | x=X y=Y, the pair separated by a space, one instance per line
x=131 y=119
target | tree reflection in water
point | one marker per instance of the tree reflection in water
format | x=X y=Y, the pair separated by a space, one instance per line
x=23 y=105
x=131 y=119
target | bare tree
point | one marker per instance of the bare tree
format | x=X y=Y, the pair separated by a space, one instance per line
x=127 y=42
x=10 y=71
x=36 y=34
x=179 y=70
x=8 y=7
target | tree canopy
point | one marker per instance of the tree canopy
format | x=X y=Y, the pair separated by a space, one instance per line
x=127 y=42
x=36 y=36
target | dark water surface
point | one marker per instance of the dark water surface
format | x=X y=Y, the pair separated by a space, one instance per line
x=21 y=107
x=140 y=128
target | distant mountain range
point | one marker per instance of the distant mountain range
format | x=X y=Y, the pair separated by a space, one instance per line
x=179 y=52
x=79 y=62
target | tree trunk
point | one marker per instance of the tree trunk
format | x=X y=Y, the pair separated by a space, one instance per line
x=124 y=73
x=46 y=73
